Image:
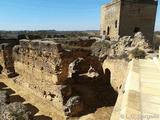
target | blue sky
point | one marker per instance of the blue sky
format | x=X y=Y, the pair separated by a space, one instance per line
x=53 y=14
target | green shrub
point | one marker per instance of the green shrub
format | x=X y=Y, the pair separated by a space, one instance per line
x=122 y=56
x=137 y=53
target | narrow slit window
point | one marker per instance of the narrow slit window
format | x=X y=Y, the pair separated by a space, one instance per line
x=108 y=30
x=104 y=32
x=116 y=24
x=136 y=29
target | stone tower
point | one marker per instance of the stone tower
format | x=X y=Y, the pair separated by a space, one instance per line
x=126 y=17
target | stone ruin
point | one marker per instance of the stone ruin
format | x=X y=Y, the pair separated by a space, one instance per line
x=73 y=81
x=127 y=17
x=6 y=60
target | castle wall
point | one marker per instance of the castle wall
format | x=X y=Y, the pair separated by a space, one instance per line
x=6 y=60
x=73 y=82
x=132 y=16
x=138 y=16
x=44 y=67
x=110 y=15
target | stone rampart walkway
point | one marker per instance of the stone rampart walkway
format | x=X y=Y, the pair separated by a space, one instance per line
x=141 y=98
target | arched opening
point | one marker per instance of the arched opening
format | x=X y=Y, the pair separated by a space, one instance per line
x=108 y=30
x=116 y=23
x=110 y=92
x=1 y=68
x=136 y=29
x=108 y=76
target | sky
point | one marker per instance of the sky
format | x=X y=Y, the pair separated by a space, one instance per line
x=53 y=14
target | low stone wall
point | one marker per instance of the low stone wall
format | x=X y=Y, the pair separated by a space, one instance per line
x=78 y=42
x=118 y=70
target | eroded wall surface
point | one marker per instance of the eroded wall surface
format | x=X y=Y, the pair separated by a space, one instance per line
x=67 y=78
x=138 y=16
x=6 y=60
x=110 y=16
x=73 y=81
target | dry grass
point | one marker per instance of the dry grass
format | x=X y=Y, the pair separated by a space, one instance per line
x=69 y=47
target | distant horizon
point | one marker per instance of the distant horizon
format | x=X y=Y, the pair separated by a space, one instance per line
x=48 y=30
x=57 y=30
x=66 y=15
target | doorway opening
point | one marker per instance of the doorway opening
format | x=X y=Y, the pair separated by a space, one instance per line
x=136 y=29
x=108 y=30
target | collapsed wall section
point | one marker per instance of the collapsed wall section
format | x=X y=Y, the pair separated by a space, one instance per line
x=73 y=82
x=53 y=73
x=6 y=60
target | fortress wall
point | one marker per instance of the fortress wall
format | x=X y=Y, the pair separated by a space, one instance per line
x=36 y=63
x=138 y=16
x=39 y=57
x=73 y=81
x=6 y=61
x=43 y=67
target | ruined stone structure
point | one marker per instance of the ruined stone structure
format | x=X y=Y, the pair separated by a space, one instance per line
x=6 y=60
x=72 y=81
x=126 y=17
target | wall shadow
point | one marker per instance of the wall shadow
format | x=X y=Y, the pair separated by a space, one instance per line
x=95 y=92
x=16 y=98
x=1 y=68
x=42 y=117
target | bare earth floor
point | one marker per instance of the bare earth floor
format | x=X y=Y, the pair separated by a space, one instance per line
x=40 y=108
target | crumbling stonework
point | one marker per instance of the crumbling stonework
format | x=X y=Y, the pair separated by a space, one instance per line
x=122 y=47
x=6 y=60
x=78 y=42
x=57 y=75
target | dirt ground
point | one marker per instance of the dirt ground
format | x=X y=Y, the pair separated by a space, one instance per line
x=42 y=109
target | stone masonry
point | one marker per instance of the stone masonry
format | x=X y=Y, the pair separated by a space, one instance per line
x=126 y=17
x=58 y=75
x=6 y=60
